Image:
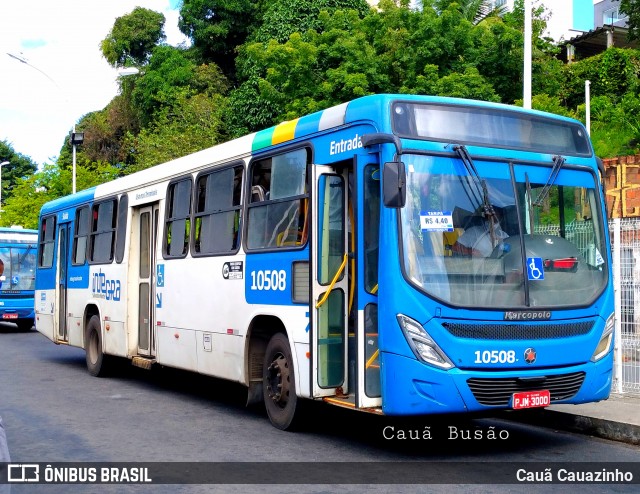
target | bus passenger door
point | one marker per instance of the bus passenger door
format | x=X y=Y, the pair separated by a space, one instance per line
x=146 y=224
x=64 y=235
x=366 y=332
x=329 y=283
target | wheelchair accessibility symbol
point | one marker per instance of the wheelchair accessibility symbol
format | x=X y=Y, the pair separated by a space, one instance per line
x=534 y=268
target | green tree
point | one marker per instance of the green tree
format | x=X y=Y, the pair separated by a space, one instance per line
x=171 y=76
x=283 y=18
x=133 y=37
x=19 y=167
x=470 y=84
x=474 y=11
x=192 y=124
x=612 y=73
x=52 y=182
x=631 y=8
x=217 y=27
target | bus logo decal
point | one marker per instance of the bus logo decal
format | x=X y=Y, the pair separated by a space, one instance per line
x=101 y=287
x=530 y=355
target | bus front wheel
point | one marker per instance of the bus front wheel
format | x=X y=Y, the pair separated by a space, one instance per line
x=279 y=389
x=97 y=361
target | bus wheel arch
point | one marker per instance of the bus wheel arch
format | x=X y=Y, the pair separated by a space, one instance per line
x=260 y=331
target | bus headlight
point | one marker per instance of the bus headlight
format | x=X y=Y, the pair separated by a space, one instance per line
x=604 y=345
x=424 y=347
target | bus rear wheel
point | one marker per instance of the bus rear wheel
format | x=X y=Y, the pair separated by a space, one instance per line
x=279 y=389
x=97 y=361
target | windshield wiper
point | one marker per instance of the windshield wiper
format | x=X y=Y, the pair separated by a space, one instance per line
x=24 y=256
x=558 y=161
x=481 y=184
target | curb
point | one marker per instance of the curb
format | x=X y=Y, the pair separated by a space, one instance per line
x=603 y=428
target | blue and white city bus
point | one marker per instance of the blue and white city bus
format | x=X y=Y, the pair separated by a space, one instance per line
x=18 y=247
x=396 y=254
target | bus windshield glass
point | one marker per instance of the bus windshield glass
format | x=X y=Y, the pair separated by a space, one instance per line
x=506 y=129
x=19 y=266
x=506 y=237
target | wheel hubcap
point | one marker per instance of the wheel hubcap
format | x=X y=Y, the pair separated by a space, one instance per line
x=278 y=381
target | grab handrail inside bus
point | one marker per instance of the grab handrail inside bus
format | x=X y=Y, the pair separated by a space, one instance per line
x=333 y=282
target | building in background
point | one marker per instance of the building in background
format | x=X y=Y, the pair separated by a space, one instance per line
x=607 y=13
x=583 y=28
x=609 y=29
x=569 y=18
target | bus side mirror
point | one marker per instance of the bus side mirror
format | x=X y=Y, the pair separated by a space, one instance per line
x=394 y=184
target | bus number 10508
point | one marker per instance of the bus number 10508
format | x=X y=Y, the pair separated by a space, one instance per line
x=269 y=280
x=495 y=356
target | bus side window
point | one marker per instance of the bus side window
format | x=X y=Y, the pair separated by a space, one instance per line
x=178 y=222
x=103 y=231
x=47 y=238
x=81 y=236
x=278 y=201
x=217 y=211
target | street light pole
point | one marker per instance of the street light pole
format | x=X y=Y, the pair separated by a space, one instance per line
x=76 y=138
x=1 y=165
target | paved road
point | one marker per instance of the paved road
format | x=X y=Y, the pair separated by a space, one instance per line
x=54 y=411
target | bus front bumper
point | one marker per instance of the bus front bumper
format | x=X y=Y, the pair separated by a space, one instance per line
x=410 y=387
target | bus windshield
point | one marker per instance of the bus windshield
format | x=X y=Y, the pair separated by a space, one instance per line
x=19 y=267
x=509 y=236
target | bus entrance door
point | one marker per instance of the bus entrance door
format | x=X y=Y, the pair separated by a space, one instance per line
x=145 y=223
x=329 y=283
x=64 y=232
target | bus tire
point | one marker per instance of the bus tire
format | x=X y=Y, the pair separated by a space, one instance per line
x=279 y=388
x=97 y=361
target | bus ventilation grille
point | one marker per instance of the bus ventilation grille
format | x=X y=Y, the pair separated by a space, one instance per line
x=498 y=392
x=518 y=331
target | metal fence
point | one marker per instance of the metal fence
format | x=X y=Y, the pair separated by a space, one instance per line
x=625 y=234
x=625 y=238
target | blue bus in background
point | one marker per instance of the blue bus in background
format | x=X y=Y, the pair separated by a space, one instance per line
x=18 y=247
x=395 y=254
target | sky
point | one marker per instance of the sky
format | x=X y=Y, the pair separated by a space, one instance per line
x=66 y=76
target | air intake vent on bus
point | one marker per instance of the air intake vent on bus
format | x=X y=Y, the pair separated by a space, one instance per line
x=498 y=392
x=518 y=331
x=301 y=282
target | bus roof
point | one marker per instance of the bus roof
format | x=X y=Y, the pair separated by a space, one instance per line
x=18 y=235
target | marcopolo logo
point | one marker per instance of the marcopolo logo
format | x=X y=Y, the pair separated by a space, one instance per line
x=527 y=315
x=343 y=145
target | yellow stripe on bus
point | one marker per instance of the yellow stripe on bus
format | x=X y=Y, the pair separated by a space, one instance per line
x=284 y=131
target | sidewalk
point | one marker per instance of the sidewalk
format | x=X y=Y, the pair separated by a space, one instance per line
x=617 y=418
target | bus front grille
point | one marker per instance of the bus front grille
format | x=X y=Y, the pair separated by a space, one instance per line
x=498 y=391
x=518 y=331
